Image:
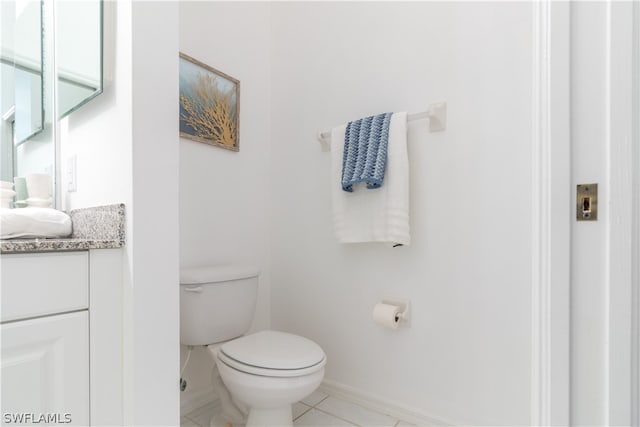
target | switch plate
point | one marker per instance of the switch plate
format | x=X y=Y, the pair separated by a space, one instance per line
x=587 y=202
x=72 y=174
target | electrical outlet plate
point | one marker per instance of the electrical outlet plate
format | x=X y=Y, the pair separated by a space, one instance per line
x=587 y=202
x=72 y=174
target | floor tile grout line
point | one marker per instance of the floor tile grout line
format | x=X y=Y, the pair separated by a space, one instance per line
x=328 y=413
x=191 y=419
x=353 y=403
x=305 y=411
x=199 y=410
x=338 y=417
x=321 y=400
x=195 y=421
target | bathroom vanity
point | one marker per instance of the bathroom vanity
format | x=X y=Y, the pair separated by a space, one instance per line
x=61 y=313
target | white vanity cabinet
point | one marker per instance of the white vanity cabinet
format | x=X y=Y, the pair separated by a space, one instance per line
x=51 y=304
x=45 y=337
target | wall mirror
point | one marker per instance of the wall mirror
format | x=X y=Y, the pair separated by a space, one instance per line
x=21 y=75
x=78 y=52
x=51 y=64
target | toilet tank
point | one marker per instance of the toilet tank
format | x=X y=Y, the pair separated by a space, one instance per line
x=217 y=303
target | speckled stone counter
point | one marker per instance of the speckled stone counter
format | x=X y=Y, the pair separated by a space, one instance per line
x=101 y=227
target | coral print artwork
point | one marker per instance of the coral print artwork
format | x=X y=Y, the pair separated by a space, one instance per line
x=209 y=105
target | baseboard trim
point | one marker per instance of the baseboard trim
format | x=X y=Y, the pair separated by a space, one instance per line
x=196 y=399
x=378 y=404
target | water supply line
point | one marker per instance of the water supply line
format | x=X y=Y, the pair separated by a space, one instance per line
x=183 y=382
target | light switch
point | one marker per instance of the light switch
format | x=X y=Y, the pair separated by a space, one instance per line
x=587 y=202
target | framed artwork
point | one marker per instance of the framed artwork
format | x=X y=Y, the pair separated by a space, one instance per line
x=209 y=105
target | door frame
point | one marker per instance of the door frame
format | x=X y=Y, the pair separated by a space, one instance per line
x=635 y=251
x=551 y=227
x=623 y=237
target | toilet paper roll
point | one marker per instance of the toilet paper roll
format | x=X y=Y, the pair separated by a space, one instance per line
x=386 y=315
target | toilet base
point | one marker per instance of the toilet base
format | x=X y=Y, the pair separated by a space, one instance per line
x=274 y=417
x=232 y=412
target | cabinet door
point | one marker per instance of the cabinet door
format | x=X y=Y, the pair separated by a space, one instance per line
x=45 y=369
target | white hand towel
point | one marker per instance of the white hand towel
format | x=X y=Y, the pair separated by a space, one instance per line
x=380 y=214
x=34 y=222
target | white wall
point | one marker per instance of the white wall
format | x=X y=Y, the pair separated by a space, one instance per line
x=154 y=249
x=466 y=356
x=224 y=195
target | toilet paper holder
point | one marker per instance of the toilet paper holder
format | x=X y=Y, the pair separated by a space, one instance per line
x=404 y=311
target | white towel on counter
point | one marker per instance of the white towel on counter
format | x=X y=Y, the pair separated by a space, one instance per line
x=380 y=214
x=34 y=222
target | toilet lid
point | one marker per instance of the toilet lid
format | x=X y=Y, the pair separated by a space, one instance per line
x=274 y=350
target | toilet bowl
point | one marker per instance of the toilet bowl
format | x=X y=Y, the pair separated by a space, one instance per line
x=262 y=373
x=269 y=371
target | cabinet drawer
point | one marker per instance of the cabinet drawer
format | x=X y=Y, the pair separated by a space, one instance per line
x=39 y=284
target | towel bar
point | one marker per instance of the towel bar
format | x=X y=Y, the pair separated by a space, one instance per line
x=436 y=114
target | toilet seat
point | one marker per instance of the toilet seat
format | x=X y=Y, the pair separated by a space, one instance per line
x=273 y=354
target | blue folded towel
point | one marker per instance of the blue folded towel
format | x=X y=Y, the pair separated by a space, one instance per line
x=365 y=151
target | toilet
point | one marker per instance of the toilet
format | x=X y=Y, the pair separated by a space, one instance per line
x=257 y=376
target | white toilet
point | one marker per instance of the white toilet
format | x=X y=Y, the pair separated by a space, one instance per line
x=265 y=372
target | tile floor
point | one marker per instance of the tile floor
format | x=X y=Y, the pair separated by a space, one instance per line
x=317 y=409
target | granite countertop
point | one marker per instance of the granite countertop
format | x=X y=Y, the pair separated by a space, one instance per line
x=101 y=227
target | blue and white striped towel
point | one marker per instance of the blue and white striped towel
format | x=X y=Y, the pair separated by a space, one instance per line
x=365 y=151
